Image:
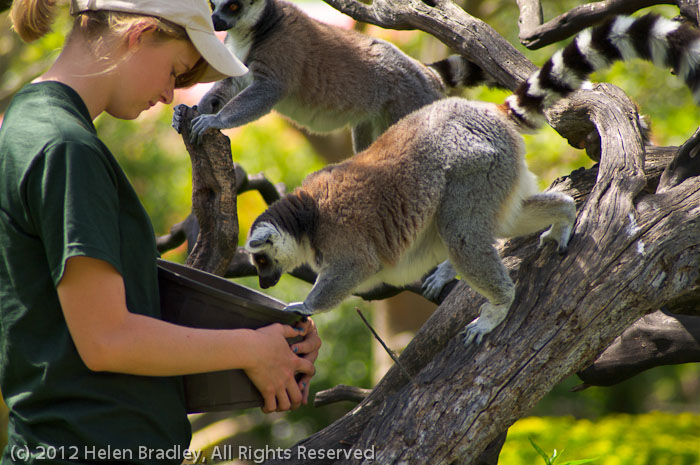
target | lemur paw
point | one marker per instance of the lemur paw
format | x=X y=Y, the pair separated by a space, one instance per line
x=473 y=333
x=202 y=124
x=559 y=235
x=300 y=308
x=490 y=316
x=433 y=284
x=177 y=117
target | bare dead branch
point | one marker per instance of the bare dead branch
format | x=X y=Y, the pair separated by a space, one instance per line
x=340 y=393
x=685 y=165
x=188 y=229
x=213 y=197
x=373 y=14
x=258 y=182
x=451 y=25
x=575 y=20
x=530 y=15
x=656 y=339
x=390 y=352
x=184 y=231
x=690 y=9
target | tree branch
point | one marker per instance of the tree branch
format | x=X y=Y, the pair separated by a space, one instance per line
x=184 y=231
x=659 y=338
x=446 y=21
x=685 y=165
x=530 y=15
x=258 y=182
x=535 y=35
x=690 y=9
x=188 y=229
x=213 y=197
x=340 y=393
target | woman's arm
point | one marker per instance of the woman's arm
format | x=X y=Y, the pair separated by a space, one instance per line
x=110 y=338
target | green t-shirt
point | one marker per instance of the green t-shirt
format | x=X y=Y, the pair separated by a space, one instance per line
x=62 y=194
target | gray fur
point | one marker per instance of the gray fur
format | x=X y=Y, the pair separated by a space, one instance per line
x=447 y=180
x=320 y=76
x=442 y=183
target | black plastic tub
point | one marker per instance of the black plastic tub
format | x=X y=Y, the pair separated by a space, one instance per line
x=190 y=297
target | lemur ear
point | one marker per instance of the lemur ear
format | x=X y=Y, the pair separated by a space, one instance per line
x=256 y=242
x=259 y=238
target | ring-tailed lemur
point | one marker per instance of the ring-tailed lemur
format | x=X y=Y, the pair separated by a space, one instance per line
x=445 y=181
x=321 y=76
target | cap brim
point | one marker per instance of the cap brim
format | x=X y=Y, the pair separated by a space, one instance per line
x=222 y=63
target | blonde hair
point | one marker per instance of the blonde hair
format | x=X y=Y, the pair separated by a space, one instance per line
x=32 y=19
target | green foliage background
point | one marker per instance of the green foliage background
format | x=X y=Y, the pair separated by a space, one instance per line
x=618 y=439
x=587 y=424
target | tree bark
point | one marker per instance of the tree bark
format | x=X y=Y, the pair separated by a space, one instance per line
x=444 y=20
x=659 y=338
x=213 y=197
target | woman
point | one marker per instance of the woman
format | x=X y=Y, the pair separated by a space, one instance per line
x=86 y=367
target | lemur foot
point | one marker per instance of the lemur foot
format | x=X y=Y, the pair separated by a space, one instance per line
x=202 y=124
x=560 y=235
x=433 y=284
x=490 y=316
x=300 y=308
x=177 y=117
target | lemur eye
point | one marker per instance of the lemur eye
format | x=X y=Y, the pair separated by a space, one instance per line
x=234 y=7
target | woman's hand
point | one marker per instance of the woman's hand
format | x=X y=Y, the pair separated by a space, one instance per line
x=276 y=365
x=307 y=349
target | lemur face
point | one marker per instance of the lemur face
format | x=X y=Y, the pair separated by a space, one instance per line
x=268 y=273
x=226 y=13
x=271 y=252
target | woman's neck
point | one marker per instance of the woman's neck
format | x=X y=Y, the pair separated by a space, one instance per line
x=77 y=68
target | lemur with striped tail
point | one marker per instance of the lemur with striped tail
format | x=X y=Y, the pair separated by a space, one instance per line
x=320 y=76
x=446 y=181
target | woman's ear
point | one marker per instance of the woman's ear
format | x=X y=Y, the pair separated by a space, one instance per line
x=138 y=33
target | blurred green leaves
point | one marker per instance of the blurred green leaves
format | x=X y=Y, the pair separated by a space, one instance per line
x=550 y=459
x=647 y=439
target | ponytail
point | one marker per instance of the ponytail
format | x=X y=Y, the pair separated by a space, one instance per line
x=32 y=19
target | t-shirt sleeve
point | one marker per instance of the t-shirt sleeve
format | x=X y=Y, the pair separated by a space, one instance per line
x=73 y=203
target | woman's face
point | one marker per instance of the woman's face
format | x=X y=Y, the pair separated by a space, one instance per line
x=147 y=75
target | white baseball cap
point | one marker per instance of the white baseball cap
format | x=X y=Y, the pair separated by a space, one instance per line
x=193 y=15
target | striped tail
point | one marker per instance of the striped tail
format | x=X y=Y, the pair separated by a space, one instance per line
x=666 y=43
x=456 y=71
